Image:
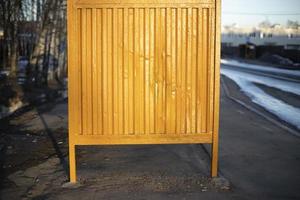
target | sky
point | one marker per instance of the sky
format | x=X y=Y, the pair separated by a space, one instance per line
x=251 y=12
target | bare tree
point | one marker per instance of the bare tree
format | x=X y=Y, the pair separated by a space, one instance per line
x=46 y=33
x=46 y=22
x=11 y=15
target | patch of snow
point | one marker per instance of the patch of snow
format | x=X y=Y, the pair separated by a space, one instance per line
x=286 y=86
x=261 y=67
x=284 y=111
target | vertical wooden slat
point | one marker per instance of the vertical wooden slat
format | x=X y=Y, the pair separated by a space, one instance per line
x=204 y=71
x=173 y=70
x=99 y=86
x=120 y=70
x=131 y=72
x=94 y=72
x=200 y=81
x=170 y=71
x=211 y=70
x=110 y=89
x=193 y=69
x=163 y=67
x=141 y=71
x=178 y=70
x=88 y=75
x=137 y=124
x=126 y=71
x=115 y=69
x=156 y=69
x=189 y=73
x=152 y=71
x=77 y=90
x=168 y=74
x=105 y=71
x=84 y=71
x=161 y=71
x=183 y=70
x=147 y=70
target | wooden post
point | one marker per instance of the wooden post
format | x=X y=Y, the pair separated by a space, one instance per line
x=215 y=139
x=72 y=65
x=72 y=161
x=214 y=159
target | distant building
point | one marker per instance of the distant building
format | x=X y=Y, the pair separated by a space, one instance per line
x=273 y=39
x=272 y=36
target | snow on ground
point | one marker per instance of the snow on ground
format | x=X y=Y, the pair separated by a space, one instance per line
x=261 y=67
x=283 y=85
x=284 y=111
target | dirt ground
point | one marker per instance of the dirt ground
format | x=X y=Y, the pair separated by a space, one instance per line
x=258 y=160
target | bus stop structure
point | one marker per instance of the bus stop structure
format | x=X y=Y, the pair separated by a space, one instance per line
x=143 y=72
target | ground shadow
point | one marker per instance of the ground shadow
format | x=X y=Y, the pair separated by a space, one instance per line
x=54 y=142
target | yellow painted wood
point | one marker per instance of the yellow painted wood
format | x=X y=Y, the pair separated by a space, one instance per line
x=72 y=74
x=217 y=56
x=144 y=139
x=143 y=72
x=152 y=71
x=98 y=49
x=183 y=70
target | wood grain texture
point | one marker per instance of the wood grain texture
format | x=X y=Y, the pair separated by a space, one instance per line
x=157 y=65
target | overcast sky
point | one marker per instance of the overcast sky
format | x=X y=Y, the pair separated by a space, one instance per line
x=251 y=12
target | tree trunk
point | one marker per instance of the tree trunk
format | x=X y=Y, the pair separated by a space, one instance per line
x=14 y=50
x=49 y=9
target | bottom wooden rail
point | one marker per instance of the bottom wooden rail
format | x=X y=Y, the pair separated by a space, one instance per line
x=199 y=138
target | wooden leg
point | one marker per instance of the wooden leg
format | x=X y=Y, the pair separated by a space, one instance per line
x=72 y=163
x=214 y=159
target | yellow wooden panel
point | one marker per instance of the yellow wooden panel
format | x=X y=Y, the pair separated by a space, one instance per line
x=143 y=71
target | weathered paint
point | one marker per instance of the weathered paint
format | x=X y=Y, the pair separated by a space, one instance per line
x=143 y=72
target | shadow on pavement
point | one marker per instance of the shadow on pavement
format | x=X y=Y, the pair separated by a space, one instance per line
x=54 y=143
